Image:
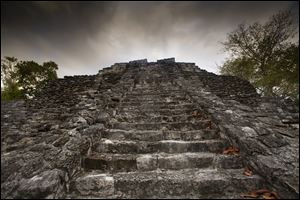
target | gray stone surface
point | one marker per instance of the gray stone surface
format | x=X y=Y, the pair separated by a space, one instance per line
x=166 y=60
x=148 y=130
x=100 y=185
x=48 y=184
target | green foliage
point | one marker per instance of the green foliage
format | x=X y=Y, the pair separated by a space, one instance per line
x=264 y=55
x=8 y=71
x=32 y=76
x=241 y=67
x=24 y=78
x=11 y=93
x=10 y=90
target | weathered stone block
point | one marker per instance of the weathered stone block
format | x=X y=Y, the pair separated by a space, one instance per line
x=249 y=132
x=166 y=60
x=139 y=62
x=147 y=162
x=48 y=184
x=273 y=140
x=100 y=185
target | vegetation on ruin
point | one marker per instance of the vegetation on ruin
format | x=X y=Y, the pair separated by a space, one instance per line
x=266 y=56
x=23 y=79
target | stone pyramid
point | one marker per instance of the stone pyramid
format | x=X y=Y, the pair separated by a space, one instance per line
x=143 y=129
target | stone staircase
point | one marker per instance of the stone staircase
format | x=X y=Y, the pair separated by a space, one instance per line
x=148 y=130
x=161 y=145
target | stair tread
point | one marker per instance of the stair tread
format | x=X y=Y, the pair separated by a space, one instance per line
x=169 y=146
x=155 y=99
x=212 y=196
x=161 y=154
x=161 y=109
x=181 y=174
x=138 y=118
x=156 y=94
x=202 y=125
x=156 y=105
x=156 y=135
x=178 y=183
x=139 y=102
x=131 y=156
x=158 y=131
x=161 y=141
x=146 y=162
x=159 y=123
x=184 y=174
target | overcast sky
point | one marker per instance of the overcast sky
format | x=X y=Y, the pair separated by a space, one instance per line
x=83 y=37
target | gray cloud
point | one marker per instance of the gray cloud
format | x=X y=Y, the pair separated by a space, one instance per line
x=83 y=37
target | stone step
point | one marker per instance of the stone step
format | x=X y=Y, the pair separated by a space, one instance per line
x=194 y=183
x=154 y=113
x=186 y=196
x=157 y=107
x=117 y=134
x=155 y=93
x=183 y=126
x=155 y=90
x=161 y=118
x=159 y=103
x=148 y=162
x=150 y=99
x=167 y=146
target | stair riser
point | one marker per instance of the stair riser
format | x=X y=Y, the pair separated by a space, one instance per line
x=150 y=91
x=167 y=126
x=148 y=147
x=153 y=162
x=147 y=107
x=155 y=99
x=157 y=113
x=154 y=95
x=157 y=136
x=192 y=187
x=157 y=184
x=138 y=103
x=160 y=119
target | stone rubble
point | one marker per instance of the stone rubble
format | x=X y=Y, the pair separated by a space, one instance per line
x=148 y=130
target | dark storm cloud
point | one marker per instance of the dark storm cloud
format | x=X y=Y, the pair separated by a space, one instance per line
x=83 y=37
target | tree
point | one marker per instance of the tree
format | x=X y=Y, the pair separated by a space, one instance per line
x=265 y=55
x=10 y=89
x=242 y=67
x=8 y=70
x=25 y=78
x=32 y=76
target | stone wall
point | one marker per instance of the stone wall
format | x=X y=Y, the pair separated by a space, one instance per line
x=265 y=129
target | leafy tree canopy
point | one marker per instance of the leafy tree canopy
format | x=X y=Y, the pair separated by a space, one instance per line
x=23 y=79
x=264 y=55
